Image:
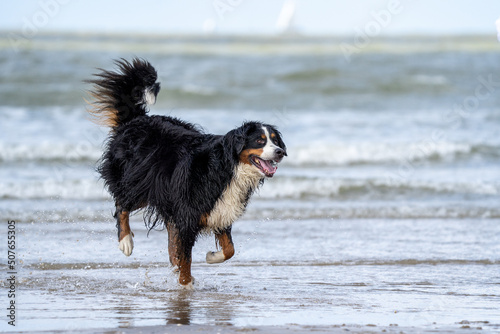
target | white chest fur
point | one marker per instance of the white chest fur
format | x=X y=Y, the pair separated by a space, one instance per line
x=231 y=205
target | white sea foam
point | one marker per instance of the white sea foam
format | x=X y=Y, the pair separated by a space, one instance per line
x=371 y=189
x=77 y=189
x=284 y=187
x=312 y=154
x=49 y=151
x=374 y=153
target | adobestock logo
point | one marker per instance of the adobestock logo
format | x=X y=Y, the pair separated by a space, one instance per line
x=48 y=9
x=381 y=19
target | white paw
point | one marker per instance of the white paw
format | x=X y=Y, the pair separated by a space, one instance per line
x=188 y=286
x=215 y=257
x=127 y=245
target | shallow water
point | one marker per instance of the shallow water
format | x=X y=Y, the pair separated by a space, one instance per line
x=424 y=273
x=384 y=213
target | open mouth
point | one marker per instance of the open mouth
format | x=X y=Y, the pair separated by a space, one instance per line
x=267 y=167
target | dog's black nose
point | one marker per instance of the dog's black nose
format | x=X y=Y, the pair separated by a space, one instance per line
x=280 y=152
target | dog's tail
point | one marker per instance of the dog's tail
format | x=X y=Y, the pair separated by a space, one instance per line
x=121 y=96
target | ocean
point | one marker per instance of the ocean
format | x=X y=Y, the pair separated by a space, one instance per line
x=385 y=213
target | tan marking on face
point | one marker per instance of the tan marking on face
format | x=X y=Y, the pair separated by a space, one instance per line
x=245 y=154
x=273 y=135
x=263 y=136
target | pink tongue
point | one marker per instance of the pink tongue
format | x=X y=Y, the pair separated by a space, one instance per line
x=268 y=167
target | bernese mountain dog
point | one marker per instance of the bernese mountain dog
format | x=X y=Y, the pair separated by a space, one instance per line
x=185 y=180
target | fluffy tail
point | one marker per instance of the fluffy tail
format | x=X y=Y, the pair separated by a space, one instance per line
x=125 y=94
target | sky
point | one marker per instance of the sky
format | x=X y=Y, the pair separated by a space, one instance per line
x=314 y=17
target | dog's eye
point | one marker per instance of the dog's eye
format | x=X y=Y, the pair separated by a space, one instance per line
x=260 y=141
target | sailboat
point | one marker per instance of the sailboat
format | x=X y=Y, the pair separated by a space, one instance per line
x=285 y=24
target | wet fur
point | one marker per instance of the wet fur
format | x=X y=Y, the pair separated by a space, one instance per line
x=173 y=170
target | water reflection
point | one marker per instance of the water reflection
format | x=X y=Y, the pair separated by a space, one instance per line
x=189 y=307
x=178 y=308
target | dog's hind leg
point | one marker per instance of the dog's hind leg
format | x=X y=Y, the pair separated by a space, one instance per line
x=184 y=251
x=226 y=242
x=125 y=234
x=179 y=252
x=173 y=245
x=185 y=279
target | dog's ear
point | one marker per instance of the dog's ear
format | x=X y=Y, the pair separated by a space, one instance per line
x=235 y=141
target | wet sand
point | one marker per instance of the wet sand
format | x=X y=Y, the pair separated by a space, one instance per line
x=184 y=329
x=337 y=329
x=321 y=275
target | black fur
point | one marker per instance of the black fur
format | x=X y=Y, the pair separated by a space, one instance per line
x=169 y=167
x=119 y=95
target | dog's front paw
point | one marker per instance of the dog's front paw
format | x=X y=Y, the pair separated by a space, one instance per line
x=126 y=245
x=188 y=287
x=215 y=257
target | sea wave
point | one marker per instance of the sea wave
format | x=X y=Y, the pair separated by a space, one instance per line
x=76 y=189
x=49 y=151
x=301 y=187
x=382 y=211
x=382 y=153
x=312 y=154
x=284 y=187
